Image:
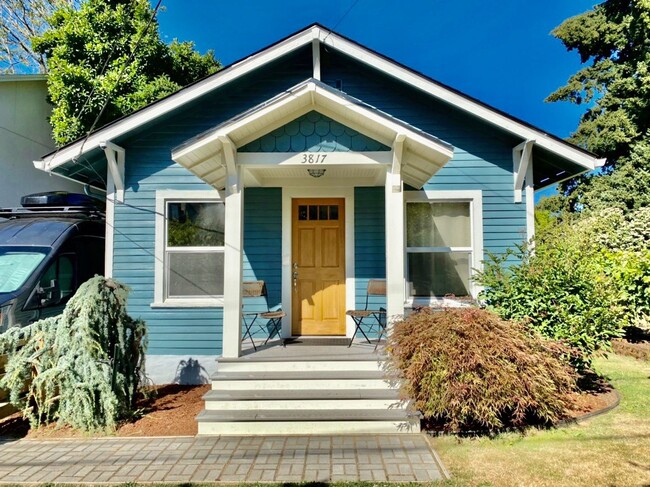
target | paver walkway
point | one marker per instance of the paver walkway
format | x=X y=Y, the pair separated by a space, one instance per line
x=229 y=459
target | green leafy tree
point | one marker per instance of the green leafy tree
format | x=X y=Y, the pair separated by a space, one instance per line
x=612 y=40
x=106 y=59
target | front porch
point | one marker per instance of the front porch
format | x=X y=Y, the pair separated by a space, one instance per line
x=317 y=149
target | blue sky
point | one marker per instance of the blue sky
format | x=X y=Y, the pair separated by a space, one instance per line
x=499 y=52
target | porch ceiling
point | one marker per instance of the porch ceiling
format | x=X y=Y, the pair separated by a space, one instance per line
x=422 y=154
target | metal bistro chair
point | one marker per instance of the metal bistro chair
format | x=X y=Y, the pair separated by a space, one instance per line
x=269 y=320
x=370 y=317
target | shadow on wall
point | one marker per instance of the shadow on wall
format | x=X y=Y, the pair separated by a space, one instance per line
x=191 y=372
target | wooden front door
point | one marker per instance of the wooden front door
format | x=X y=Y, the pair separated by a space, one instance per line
x=318 y=266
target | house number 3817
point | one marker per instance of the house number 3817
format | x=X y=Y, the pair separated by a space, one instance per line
x=313 y=158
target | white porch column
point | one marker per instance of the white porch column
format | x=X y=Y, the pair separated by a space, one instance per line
x=233 y=258
x=394 y=196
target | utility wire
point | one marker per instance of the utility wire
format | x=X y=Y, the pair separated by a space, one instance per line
x=354 y=4
x=119 y=76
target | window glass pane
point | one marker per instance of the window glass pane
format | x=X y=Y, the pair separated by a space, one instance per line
x=334 y=212
x=438 y=225
x=439 y=274
x=322 y=212
x=302 y=212
x=66 y=276
x=195 y=224
x=313 y=212
x=195 y=274
x=16 y=267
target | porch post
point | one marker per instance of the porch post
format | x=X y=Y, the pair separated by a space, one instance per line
x=394 y=197
x=233 y=253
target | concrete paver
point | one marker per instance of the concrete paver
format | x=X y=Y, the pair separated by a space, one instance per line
x=214 y=459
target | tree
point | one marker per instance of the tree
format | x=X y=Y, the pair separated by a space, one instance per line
x=20 y=20
x=106 y=59
x=612 y=39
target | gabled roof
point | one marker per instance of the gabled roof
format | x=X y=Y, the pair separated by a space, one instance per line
x=422 y=154
x=326 y=37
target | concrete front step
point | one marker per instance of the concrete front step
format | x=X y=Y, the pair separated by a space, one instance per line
x=282 y=384
x=298 y=375
x=314 y=421
x=235 y=365
x=300 y=394
x=256 y=428
x=259 y=397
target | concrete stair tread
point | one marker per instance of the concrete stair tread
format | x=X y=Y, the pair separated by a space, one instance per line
x=297 y=394
x=310 y=415
x=298 y=375
x=365 y=357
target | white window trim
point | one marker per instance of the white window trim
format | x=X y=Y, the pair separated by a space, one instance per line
x=162 y=197
x=475 y=199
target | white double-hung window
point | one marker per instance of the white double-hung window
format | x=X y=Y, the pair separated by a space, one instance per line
x=189 y=248
x=444 y=243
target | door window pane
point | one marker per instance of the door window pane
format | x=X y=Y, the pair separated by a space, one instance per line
x=438 y=274
x=195 y=224
x=438 y=225
x=193 y=274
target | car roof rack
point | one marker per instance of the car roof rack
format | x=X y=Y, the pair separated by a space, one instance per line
x=53 y=211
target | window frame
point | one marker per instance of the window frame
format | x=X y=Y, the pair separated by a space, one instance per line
x=163 y=198
x=475 y=200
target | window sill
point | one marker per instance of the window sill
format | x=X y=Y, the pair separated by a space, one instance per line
x=189 y=303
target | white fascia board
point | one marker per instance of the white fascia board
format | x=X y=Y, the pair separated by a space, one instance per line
x=542 y=139
x=177 y=100
x=306 y=97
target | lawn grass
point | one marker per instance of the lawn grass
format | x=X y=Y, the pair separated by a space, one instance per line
x=612 y=449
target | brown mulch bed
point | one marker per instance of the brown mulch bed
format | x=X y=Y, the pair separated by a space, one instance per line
x=170 y=410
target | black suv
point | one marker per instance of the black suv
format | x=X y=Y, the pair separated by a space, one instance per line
x=48 y=248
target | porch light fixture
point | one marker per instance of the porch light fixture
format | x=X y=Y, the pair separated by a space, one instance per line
x=316 y=173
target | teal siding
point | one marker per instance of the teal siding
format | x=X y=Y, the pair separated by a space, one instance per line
x=369 y=244
x=482 y=153
x=482 y=160
x=263 y=247
x=314 y=132
x=187 y=331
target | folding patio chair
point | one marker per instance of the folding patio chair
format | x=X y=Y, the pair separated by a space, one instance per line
x=266 y=321
x=370 y=317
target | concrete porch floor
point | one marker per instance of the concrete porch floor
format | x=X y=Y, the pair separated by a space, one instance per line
x=312 y=349
x=221 y=459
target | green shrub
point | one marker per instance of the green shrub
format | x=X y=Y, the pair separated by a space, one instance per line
x=81 y=368
x=467 y=369
x=562 y=290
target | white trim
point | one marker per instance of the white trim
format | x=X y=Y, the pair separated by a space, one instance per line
x=180 y=98
x=530 y=205
x=288 y=194
x=315 y=54
x=475 y=199
x=276 y=159
x=522 y=157
x=109 y=236
x=420 y=155
x=436 y=90
x=233 y=264
x=162 y=196
x=115 y=160
x=345 y=46
x=395 y=230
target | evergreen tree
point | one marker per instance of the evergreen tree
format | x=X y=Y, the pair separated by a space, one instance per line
x=613 y=41
x=106 y=59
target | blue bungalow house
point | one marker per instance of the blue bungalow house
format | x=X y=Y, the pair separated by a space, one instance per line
x=314 y=165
